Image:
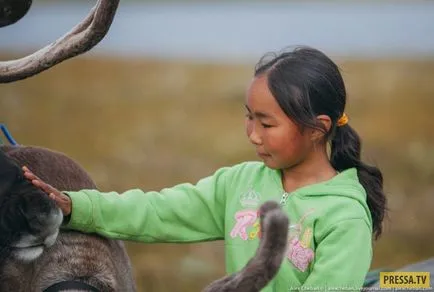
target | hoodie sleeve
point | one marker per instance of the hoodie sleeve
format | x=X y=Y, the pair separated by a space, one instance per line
x=183 y=213
x=343 y=257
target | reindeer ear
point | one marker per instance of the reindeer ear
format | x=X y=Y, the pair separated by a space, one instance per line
x=9 y=172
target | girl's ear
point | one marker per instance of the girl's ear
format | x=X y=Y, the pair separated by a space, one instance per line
x=324 y=126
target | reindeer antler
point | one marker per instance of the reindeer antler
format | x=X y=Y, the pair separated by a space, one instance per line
x=79 y=40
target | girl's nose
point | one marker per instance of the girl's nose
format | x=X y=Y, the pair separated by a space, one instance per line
x=254 y=138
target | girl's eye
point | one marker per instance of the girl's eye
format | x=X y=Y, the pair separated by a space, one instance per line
x=266 y=125
x=249 y=116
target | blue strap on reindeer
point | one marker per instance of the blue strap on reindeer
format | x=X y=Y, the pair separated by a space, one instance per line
x=8 y=135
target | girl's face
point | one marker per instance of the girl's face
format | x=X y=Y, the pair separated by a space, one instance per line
x=277 y=139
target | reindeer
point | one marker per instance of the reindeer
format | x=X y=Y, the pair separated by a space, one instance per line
x=36 y=254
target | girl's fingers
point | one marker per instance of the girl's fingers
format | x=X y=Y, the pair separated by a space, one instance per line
x=44 y=186
x=52 y=192
x=37 y=181
x=29 y=174
x=57 y=199
x=62 y=203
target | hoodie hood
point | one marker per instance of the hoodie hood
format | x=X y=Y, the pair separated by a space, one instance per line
x=344 y=184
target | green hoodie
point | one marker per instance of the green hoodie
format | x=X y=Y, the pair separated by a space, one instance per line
x=330 y=232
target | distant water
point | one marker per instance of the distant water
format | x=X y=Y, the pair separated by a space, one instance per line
x=240 y=31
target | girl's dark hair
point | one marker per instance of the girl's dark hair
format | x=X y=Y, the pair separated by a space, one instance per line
x=306 y=83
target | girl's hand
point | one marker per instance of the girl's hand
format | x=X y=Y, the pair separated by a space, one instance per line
x=63 y=201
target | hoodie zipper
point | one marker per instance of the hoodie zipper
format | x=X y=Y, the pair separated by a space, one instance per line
x=284 y=198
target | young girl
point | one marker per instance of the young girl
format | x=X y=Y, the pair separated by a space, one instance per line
x=295 y=106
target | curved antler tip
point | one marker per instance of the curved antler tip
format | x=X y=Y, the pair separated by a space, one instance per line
x=83 y=37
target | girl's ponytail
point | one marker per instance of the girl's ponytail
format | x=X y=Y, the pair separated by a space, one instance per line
x=346 y=153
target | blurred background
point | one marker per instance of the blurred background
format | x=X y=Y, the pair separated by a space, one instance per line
x=160 y=101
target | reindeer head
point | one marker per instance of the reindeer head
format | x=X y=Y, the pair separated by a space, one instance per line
x=29 y=219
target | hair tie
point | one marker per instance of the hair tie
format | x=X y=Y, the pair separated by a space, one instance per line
x=343 y=120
